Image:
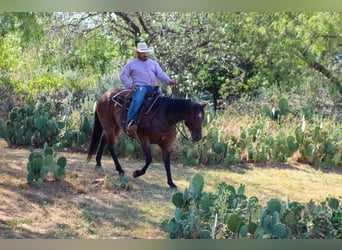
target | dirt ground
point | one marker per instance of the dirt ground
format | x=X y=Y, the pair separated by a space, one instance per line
x=83 y=205
x=89 y=204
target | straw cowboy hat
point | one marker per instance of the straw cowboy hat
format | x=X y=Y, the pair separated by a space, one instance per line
x=142 y=47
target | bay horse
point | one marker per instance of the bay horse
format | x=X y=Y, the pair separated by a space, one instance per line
x=158 y=126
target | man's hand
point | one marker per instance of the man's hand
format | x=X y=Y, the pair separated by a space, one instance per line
x=134 y=88
x=172 y=83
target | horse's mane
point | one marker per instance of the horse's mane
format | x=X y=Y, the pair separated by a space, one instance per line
x=176 y=105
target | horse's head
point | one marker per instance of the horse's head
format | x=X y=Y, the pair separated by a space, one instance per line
x=194 y=120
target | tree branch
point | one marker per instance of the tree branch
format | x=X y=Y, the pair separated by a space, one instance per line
x=143 y=24
x=134 y=28
x=323 y=70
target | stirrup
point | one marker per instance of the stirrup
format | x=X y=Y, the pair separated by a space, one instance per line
x=131 y=129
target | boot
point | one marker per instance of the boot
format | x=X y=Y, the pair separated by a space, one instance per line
x=131 y=129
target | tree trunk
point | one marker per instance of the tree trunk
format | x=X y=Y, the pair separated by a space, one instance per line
x=323 y=70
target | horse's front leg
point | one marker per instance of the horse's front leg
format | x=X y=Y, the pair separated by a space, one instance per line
x=146 y=147
x=166 y=158
x=115 y=159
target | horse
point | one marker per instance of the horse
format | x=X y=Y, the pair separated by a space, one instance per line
x=156 y=126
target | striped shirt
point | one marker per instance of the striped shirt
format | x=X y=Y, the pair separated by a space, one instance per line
x=139 y=72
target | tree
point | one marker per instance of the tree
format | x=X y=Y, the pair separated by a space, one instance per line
x=223 y=54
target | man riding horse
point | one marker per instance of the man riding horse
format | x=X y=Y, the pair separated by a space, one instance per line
x=140 y=75
x=157 y=125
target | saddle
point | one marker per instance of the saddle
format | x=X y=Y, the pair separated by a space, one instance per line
x=124 y=99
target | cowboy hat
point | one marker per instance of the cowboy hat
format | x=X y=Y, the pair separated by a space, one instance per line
x=142 y=47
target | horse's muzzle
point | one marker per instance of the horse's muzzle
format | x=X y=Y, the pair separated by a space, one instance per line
x=196 y=137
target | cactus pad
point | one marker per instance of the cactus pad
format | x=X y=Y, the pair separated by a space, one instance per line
x=177 y=199
x=274 y=204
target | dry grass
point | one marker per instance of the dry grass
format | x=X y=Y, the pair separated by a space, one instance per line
x=83 y=206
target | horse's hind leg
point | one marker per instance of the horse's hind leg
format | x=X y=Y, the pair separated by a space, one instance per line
x=115 y=159
x=110 y=146
x=99 y=154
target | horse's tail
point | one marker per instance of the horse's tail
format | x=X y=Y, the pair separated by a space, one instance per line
x=95 y=137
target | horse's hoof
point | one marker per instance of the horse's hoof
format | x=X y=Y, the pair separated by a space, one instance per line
x=98 y=168
x=122 y=174
x=135 y=174
x=174 y=187
x=138 y=173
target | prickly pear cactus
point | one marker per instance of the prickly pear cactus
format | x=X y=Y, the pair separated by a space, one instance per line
x=283 y=106
x=40 y=164
x=31 y=125
x=196 y=186
x=271 y=221
x=177 y=199
x=233 y=222
x=34 y=167
x=280 y=231
x=190 y=206
x=266 y=222
x=274 y=204
x=292 y=145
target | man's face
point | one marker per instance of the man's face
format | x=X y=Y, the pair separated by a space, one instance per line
x=143 y=56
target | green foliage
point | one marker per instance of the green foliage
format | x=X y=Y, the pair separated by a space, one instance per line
x=44 y=162
x=196 y=187
x=274 y=205
x=177 y=199
x=322 y=146
x=292 y=217
x=326 y=219
x=270 y=221
x=223 y=55
x=35 y=87
x=222 y=59
x=31 y=125
x=203 y=215
x=276 y=114
x=229 y=214
x=317 y=142
x=239 y=65
x=191 y=205
x=78 y=131
x=235 y=212
x=121 y=182
x=189 y=155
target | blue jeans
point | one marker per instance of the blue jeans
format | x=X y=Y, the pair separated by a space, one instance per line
x=137 y=99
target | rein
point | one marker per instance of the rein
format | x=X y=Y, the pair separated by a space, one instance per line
x=176 y=94
x=183 y=132
x=154 y=101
